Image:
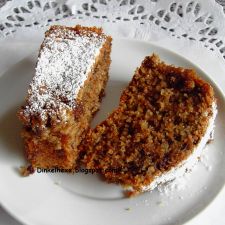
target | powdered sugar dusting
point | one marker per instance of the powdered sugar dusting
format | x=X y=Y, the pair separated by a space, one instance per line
x=62 y=68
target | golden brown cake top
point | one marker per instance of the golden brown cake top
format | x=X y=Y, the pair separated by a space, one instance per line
x=65 y=59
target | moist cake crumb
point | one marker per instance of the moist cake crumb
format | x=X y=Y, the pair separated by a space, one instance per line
x=26 y=170
x=162 y=117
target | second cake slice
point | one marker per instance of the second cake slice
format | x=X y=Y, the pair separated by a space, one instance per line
x=163 y=121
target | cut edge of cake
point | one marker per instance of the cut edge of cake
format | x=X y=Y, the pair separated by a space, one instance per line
x=178 y=169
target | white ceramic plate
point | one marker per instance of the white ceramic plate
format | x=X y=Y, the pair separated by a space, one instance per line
x=85 y=199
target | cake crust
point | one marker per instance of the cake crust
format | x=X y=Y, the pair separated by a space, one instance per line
x=162 y=116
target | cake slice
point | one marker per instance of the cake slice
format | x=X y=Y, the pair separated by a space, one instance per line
x=164 y=119
x=71 y=75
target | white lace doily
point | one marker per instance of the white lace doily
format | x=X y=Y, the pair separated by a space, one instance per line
x=201 y=20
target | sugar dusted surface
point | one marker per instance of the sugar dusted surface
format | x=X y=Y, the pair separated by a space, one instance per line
x=62 y=68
